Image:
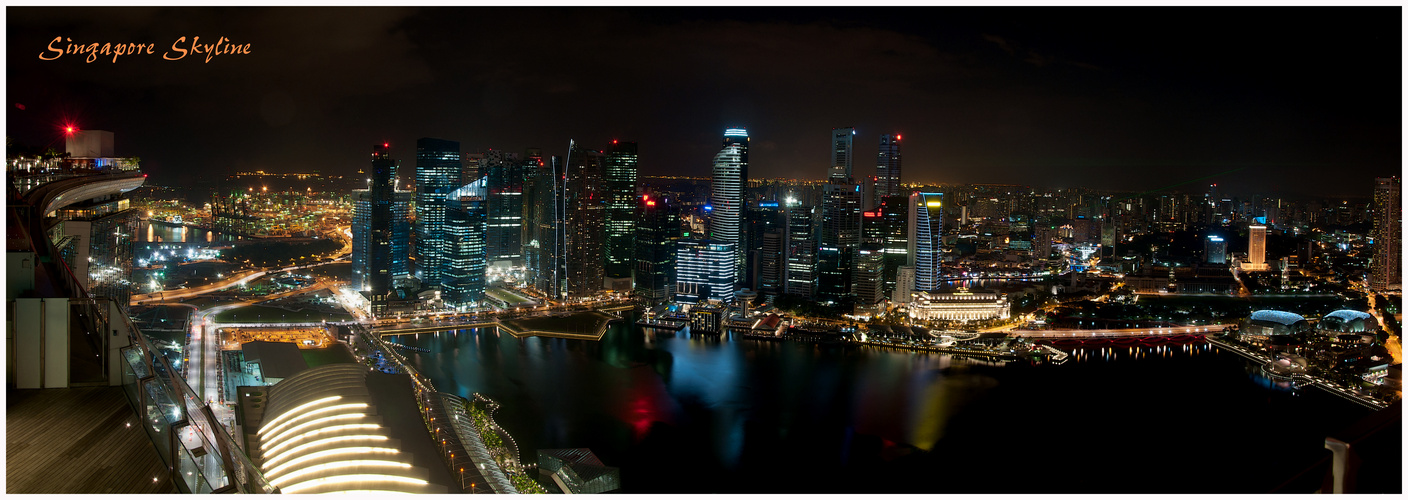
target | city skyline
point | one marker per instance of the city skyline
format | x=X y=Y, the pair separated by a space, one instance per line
x=985 y=95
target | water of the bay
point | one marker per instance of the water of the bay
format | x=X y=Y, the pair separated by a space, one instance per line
x=686 y=413
x=154 y=232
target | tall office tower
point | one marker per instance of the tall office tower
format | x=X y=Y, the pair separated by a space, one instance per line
x=1256 y=248
x=926 y=224
x=1215 y=250
x=466 y=225
x=621 y=205
x=894 y=217
x=869 y=275
x=729 y=187
x=887 y=167
x=375 y=228
x=1385 y=271
x=544 y=214
x=703 y=271
x=840 y=230
x=586 y=221
x=655 y=235
x=842 y=157
x=765 y=217
x=772 y=263
x=800 y=277
x=503 y=175
x=437 y=173
x=869 y=262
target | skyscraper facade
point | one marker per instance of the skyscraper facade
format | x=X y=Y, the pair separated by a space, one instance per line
x=869 y=275
x=894 y=217
x=466 y=224
x=438 y=167
x=586 y=221
x=381 y=236
x=842 y=154
x=764 y=217
x=841 y=207
x=655 y=235
x=503 y=175
x=545 y=232
x=621 y=206
x=800 y=272
x=1385 y=271
x=1256 y=248
x=703 y=271
x=772 y=263
x=730 y=184
x=887 y=167
x=926 y=223
x=1215 y=250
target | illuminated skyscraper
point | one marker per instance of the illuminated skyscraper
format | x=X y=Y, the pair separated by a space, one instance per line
x=1256 y=248
x=869 y=275
x=544 y=216
x=437 y=173
x=703 y=271
x=729 y=186
x=655 y=235
x=894 y=216
x=1385 y=270
x=503 y=175
x=800 y=272
x=842 y=154
x=764 y=217
x=1215 y=250
x=887 y=167
x=466 y=222
x=621 y=205
x=585 y=222
x=381 y=229
x=926 y=224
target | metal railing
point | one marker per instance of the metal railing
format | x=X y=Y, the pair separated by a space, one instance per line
x=199 y=451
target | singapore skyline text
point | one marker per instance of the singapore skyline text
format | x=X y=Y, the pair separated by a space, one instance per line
x=179 y=49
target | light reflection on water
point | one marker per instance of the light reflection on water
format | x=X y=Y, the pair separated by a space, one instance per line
x=165 y=233
x=653 y=401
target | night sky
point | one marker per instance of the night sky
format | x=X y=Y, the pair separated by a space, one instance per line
x=1275 y=100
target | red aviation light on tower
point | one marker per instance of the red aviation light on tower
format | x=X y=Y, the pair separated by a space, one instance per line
x=69 y=129
x=385 y=144
x=613 y=141
x=898 y=137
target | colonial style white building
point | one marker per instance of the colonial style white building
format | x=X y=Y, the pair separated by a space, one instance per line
x=959 y=306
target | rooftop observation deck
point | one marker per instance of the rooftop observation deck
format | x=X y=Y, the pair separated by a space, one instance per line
x=81 y=440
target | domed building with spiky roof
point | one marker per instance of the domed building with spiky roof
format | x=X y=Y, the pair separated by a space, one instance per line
x=1348 y=321
x=1268 y=327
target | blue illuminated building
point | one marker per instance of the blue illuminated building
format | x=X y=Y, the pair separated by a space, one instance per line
x=437 y=173
x=727 y=200
x=926 y=224
x=704 y=271
x=466 y=225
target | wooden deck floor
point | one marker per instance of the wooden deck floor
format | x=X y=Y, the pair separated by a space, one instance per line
x=78 y=441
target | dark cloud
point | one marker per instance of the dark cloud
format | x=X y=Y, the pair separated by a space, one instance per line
x=1110 y=97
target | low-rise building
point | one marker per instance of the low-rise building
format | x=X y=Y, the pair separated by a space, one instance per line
x=961 y=305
